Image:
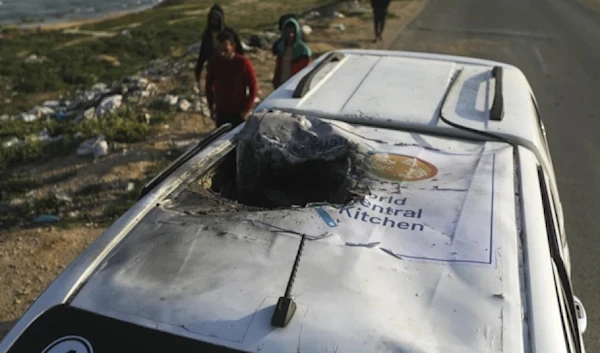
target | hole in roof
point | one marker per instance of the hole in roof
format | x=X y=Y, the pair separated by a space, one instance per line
x=278 y=163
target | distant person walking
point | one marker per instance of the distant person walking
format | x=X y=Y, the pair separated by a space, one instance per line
x=380 y=8
x=208 y=48
x=231 y=85
x=292 y=53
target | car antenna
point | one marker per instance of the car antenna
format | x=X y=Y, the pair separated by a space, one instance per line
x=286 y=307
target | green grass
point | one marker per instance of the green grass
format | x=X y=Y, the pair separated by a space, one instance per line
x=164 y=31
x=123 y=126
x=26 y=213
x=118 y=199
x=127 y=199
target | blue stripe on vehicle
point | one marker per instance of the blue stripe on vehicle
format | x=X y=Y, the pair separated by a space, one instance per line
x=326 y=217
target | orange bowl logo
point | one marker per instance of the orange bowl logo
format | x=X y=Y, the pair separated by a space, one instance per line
x=399 y=167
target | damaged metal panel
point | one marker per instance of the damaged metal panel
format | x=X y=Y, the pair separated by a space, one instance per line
x=418 y=257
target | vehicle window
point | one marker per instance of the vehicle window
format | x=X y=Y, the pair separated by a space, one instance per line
x=541 y=128
x=542 y=131
x=564 y=290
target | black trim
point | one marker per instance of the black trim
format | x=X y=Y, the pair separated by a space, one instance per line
x=208 y=139
x=497 y=111
x=304 y=84
x=558 y=261
x=461 y=127
x=91 y=332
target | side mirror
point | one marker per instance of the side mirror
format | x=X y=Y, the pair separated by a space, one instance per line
x=581 y=315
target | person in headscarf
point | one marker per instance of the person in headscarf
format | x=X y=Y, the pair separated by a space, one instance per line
x=292 y=53
x=379 y=14
x=282 y=21
x=208 y=48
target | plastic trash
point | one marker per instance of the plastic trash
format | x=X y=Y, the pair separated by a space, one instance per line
x=306 y=30
x=45 y=218
x=61 y=196
x=60 y=115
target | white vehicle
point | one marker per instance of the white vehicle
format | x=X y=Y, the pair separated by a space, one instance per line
x=377 y=202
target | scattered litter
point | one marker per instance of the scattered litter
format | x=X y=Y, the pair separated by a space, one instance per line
x=126 y=33
x=340 y=26
x=99 y=87
x=306 y=30
x=172 y=100
x=28 y=117
x=109 y=105
x=101 y=149
x=60 y=115
x=46 y=219
x=12 y=142
x=51 y=104
x=271 y=36
x=73 y=214
x=312 y=14
x=44 y=136
x=34 y=59
x=147 y=118
x=130 y=186
x=61 y=196
x=338 y=15
x=42 y=112
x=138 y=83
x=356 y=8
x=17 y=202
x=90 y=146
x=89 y=113
x=184 y=105
x=247 y=47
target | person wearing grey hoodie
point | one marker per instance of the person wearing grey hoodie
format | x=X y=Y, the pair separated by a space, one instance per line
x=215 y=25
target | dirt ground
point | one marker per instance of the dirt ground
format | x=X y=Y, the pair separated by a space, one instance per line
x=31 y=257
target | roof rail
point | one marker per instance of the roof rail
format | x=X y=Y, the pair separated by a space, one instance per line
x=497 y=111
x=304 y=84
x=207 y=140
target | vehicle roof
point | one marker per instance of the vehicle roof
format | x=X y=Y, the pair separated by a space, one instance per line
x=407 y=89
x=441 y=274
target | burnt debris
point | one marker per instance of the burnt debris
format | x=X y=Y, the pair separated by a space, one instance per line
x=281 y=160
x=286 y=160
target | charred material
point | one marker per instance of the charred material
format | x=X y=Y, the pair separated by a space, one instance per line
x=287 y=160
x=281 y=160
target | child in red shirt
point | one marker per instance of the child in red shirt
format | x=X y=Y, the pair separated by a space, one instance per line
x=231 y=85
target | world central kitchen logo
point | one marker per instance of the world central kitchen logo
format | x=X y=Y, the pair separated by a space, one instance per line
x=387 y=211
x=399 y=167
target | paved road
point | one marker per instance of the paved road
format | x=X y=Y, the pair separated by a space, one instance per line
x=557 y=45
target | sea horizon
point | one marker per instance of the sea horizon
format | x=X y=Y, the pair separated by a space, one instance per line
x=24 y=12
